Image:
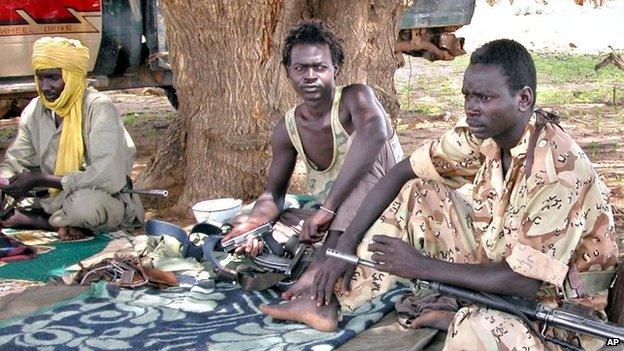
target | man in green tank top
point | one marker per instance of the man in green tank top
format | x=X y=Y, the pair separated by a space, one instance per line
x=343 y=136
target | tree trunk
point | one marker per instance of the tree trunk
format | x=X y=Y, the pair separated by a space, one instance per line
x=233 y=89
x=166 y=170
x=369 y=30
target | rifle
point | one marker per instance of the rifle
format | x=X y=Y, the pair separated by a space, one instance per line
x=128 y=189
x=525 y=309
x=150 y=192
x=5 y=208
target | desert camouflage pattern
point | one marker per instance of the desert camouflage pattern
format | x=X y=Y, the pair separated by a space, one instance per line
x=558 y=218
x=478 y=328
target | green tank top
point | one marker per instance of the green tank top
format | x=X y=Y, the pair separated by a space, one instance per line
x=320 y=182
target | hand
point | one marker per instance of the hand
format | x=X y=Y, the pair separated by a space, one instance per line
x=313 y=229
x=253 y=246
x=395 y=256
x=20 y=184
x=327 y=276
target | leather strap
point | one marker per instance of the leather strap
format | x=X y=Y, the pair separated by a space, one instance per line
x=154 y=227
x=580 y=284
x=542 y=118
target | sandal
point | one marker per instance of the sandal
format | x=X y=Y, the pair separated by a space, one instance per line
x=126 y=272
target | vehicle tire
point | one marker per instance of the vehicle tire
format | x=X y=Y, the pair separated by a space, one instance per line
x=12 y=107
x=172 y=96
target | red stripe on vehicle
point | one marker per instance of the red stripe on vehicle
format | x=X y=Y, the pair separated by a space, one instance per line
x=45 y=11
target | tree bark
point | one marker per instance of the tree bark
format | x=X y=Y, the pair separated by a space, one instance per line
x=232 y=88
x=369 y=30
x=166 y=170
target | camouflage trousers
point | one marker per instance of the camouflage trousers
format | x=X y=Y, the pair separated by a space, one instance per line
x=433 y=218
x=437 y=220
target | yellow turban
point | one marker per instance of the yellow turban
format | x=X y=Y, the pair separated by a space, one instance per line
x=73 y=59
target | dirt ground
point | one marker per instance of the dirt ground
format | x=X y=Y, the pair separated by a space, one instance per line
x=545 y=27
x=146 y=114
x=596 y=127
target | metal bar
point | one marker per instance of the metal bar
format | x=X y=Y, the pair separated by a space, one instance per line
x=353 y=259
x=151 y=192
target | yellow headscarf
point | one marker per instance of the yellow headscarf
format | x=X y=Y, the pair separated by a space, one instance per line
x=73 y=59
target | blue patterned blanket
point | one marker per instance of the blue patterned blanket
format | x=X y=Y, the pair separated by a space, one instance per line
x=220 y=317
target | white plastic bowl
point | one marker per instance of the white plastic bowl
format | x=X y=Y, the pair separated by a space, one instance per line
x=218 y=210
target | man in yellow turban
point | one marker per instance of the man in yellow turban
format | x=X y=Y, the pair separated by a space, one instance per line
x=71 y=141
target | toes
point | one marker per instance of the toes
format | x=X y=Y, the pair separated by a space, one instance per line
x=62 y=232
x=76 y=233
x=263 y=308
x=70 y=233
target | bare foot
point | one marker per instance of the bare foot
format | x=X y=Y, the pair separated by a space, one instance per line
x=434 y=319
x=73 y=233
x=305 y=310
x=305 y=281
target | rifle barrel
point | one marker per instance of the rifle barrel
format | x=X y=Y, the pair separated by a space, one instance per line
x=151 y=192
x=584 y=325
x=553 y=316
x=353 y=259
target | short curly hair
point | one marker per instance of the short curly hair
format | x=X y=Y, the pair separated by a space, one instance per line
x=514 y=60
x=313 y=32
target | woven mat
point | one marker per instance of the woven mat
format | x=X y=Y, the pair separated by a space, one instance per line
x=59 y=254
x=221 y=317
